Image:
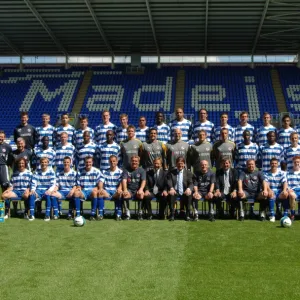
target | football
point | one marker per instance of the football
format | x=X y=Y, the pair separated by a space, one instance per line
x=285 y=222
x=79 y=221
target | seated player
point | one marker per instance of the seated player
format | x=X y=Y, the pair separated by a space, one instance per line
x=133 y=184
x=19 y=186
x=66 y=185
x=251 y=185
x=87 y=187
x=179 y=183
x=110 y=186
x=204 y=184
x=226 y=186
x=156 y=186
x=277 y=186
x=293 y=180
x=42 y=186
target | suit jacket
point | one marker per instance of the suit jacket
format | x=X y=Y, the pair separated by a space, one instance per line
x=161 y=181
x=187 y=179
x=233 y=179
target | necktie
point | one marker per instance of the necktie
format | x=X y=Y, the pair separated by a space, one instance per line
x=155 y=188
x=180 y=183
x=226 y=183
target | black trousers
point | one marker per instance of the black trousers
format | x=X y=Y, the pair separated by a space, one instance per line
x=184 y=199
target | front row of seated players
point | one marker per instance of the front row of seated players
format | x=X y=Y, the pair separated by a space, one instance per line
x=167 y=187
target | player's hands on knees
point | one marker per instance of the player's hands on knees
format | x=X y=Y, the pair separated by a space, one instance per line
x=233 y=194
x=164 y=193
x=140 y=192
x=265 y=193
x=197 y=196
x=218 y=194
x=188 y=192
x=241 y=194
x=147 y=193
x=126 y=193
x=209 y=195
x=172 y=192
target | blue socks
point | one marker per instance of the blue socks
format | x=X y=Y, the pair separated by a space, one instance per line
x=77 y=206
x=94 y=206
x=100 y=205
x=54 y=205
x=118 y=207
x=271 y=207
x=31 y=204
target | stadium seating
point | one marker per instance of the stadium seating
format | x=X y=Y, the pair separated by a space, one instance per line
x=49 y=90
x=232 y=90
x=290 y=82
x=135 y=95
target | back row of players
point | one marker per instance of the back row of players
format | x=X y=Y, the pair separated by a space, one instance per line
x=149 y=144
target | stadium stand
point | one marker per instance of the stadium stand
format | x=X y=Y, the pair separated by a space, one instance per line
x=290 y=82
x=49 y=90
x=134 y=95
x=232 y=90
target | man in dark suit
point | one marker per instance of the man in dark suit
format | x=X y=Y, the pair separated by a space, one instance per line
x=226 y=187
x=180 y=185
x=156 y=186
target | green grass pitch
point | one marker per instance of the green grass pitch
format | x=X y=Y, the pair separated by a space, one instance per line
x=149 y=260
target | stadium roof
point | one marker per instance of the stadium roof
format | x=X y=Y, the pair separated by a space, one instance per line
x=149 y=27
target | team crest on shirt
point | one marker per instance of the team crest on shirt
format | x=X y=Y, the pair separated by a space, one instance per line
x=29 y=130
x=25 y=157
x=254 y=177
x=207 y=149
x=229 y=148
x=138 y=175
x=19 y=130
x=182 y=148
x=3 y=150
x=135 y=146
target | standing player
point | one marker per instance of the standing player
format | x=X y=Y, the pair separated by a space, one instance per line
x=19 y=186
x=176 y=148
x=64 y=127
x=204 y=184
x=25 y=131
x=42 y=186
x=105 y=150
x=142 y=132
x=101 y=130
x=151 y=150
x=62 y=150
x=201 y=150
x=129 y=147
x=21 y=151
x=87 y=148
x=203 y=124
x=292 y=151
x=78 y=134
x=261 y=135
x=121 y=132
x=277 y=186
x=110 y=187
x=293 y=180
x=133 y=183
x=244 y=125
x=284 y=133
x=43 y=151
x=245 y=151
x=6 y=159
x=163 y=130
x=183 y=124
x=45 y=130
x=224 y=124
x=66 y=185
x=223 y=149
x=87 y=182
x=270 y=150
